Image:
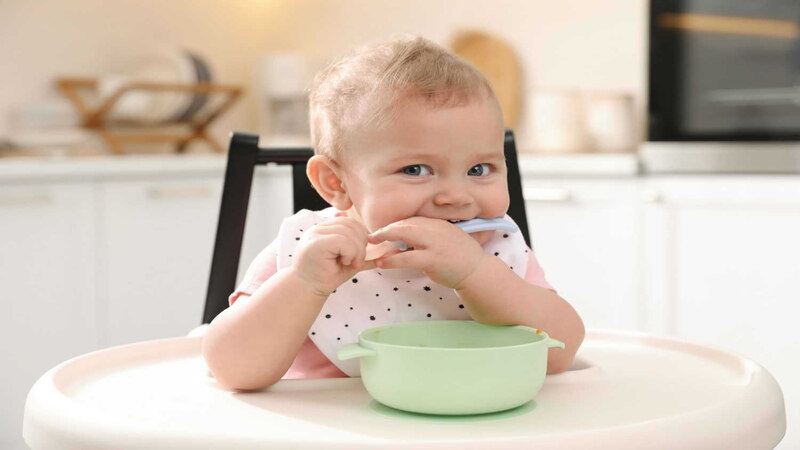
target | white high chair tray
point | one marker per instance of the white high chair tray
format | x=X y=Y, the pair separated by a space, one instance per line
x=627 y=391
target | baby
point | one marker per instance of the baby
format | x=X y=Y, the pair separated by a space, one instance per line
x=408 y=138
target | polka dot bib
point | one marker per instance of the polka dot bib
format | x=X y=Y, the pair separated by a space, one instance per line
x=379 y=297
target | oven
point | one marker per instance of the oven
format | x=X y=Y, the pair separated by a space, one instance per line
x=723 y=86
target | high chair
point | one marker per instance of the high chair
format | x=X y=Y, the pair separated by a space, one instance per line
x=626 y=390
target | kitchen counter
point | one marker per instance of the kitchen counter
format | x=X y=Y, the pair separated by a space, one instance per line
x=31 y=169
x=23 y=169
x=580 y=164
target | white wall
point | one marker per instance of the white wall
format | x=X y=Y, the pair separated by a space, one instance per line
x=589 y=44
x=586 y=44
x=597 y=44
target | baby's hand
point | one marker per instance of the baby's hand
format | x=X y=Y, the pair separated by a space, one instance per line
x=330 y=253
x=443 y=251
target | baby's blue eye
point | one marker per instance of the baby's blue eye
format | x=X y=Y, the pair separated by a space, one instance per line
x=417 y=170
x=479 y=170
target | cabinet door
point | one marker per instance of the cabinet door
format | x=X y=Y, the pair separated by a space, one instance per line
x=47 y=285
x=585 y=234
x=156 y=254
x=723 y=269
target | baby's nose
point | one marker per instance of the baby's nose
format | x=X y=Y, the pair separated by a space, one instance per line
x=452 y=194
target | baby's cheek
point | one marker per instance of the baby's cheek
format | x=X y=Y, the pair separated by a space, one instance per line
x=497 y=201
x=390 y=217
x=377 y=216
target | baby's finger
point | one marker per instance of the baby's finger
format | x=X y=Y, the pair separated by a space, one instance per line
x=342 y=229
x=358 y=229
x=362 y=252
x=357 y=233
x=359 y=253
x=375 y=251
x=397 y=259
x=361 y=232
x=332 y=246
x=339 y=247
x=407 y=231
x=367 y=265
x=348 y=253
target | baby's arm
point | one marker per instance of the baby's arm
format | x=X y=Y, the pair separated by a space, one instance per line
x=253 y=343
x=494 y=294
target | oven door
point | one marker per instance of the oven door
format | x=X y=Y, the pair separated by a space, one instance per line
x=726 y=71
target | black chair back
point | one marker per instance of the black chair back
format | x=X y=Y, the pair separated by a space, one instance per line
x=243 y=156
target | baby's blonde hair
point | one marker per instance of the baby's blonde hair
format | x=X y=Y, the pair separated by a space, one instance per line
x=362 y=89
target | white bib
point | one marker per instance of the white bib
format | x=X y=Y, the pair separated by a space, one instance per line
x=379 y=297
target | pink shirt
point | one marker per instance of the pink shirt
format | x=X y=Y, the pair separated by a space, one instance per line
x=310 y=362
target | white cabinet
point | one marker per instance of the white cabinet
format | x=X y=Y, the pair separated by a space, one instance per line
x=156 y=247
x=585 y=234
x=157 y=244
x=47 y=270
x=722 y=268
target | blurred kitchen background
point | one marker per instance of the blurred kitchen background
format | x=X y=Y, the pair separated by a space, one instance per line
x=665 y=201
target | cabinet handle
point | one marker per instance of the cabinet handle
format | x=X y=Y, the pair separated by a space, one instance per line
x=182 y=192
x=31 y=198
x=547 y=194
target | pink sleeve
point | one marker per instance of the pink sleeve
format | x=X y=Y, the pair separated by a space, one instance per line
x=263 y=266
x=535 y=273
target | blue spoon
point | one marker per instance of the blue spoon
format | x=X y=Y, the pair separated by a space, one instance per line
x=481 y=224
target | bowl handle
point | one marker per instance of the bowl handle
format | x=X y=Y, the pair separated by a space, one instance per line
x=350 y=351
x=554 y=343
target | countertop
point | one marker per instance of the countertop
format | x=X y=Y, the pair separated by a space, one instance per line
x=84 y=168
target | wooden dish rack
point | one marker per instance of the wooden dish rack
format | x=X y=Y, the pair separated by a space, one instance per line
x=98 y=118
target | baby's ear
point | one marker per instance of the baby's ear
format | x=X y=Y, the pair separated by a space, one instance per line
x=325 y=176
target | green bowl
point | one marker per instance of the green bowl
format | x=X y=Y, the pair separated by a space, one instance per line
x=452 y=367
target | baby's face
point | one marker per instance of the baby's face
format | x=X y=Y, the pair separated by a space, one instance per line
x=444 y=163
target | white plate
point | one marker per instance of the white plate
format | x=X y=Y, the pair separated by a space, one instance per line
x=163 y=66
